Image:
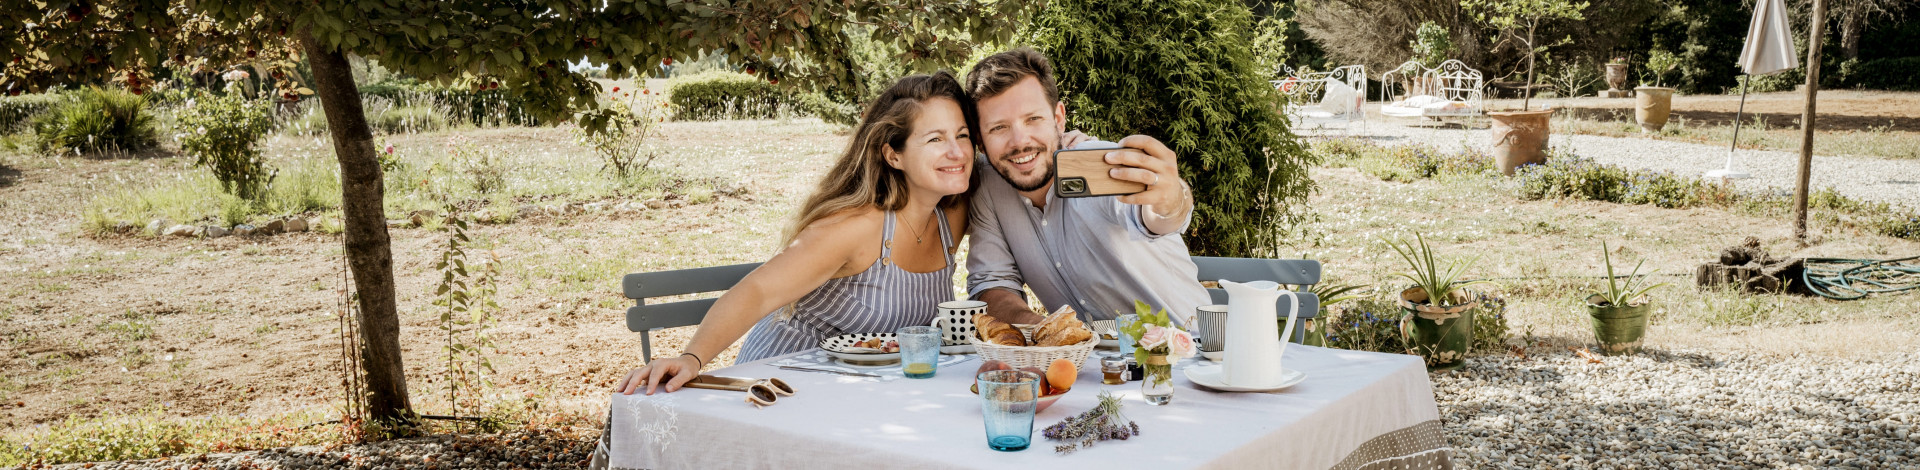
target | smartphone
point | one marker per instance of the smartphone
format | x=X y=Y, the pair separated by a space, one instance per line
x=1086 y=173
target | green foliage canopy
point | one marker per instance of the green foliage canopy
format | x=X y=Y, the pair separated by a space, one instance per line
x=1183 y=71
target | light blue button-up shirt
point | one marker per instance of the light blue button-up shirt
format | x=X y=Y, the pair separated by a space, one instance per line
x=1092 y=253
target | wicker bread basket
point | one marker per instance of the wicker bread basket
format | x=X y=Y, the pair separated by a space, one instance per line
x=1034 y=356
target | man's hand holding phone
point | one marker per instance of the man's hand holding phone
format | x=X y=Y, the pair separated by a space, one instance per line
x=1150 y=162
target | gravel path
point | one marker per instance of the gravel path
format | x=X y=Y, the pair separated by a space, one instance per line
x=1865 y=178
x=1683 y=409
x=539 y=450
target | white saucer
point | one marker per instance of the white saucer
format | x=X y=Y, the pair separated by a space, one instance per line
x=957 y=349
x=1209 y=376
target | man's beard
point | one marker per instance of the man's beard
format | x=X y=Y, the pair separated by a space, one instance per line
x=1001 y=165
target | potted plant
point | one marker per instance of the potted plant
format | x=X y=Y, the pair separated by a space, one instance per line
x=1329 y=294
x=1616 y=73
x=1436 y=320
x=1620 y=314
x=1653 y=104
x=1519 y=137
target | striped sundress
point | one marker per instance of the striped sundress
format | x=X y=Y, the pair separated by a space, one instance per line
x=881 y=299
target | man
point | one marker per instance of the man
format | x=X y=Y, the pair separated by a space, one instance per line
x=1097 y=254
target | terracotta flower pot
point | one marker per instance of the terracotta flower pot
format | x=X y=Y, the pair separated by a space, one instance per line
x=1652 y=107
x=1519 y=138
x=1616 y=76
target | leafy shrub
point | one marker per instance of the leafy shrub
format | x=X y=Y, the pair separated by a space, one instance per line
x=1901 y=73
x=619 y=132
x=404 y=120
x=726 y=95
x=1566 y=175
x=99 y=119
x=222 y=134
x=484 y=168
x=485 y=108
x=1184 y=71
x=1431 y=45
x=17 y=111
x=1373 y=324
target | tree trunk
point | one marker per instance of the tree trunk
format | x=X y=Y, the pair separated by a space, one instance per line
x=1806 y=121
x=369 y=254
x=1850 y=25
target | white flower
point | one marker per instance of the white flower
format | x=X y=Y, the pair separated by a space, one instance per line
x=202 y=130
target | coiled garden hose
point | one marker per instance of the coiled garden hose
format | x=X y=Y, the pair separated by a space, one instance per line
x=1852 y=279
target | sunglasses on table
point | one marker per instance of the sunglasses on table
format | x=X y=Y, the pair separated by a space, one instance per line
x=760 y=392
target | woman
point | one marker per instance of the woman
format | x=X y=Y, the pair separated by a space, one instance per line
x=871 y=250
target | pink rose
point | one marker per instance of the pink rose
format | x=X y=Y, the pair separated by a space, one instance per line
x=1154 y=337
x=1180 y=344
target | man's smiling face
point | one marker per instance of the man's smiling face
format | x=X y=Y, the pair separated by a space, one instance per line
x=1019 y=131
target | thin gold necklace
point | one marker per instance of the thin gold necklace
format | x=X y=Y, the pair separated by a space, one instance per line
x=917 y=239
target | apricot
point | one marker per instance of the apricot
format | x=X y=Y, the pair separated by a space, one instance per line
x=1061 y=374
x=1044 y=390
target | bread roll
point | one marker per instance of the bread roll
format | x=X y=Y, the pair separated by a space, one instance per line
x=994 y=331
x=1062 y=328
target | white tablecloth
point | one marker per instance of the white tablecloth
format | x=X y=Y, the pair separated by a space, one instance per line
x=1356 y=410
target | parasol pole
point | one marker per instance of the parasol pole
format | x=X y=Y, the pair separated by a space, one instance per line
x=1728 y=172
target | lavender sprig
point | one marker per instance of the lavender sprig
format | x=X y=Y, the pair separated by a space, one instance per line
x=1103 y=422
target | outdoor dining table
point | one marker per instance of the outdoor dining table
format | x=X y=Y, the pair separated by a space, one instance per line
x=1355 y=410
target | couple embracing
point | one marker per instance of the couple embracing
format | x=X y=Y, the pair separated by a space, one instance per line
x=872 y=249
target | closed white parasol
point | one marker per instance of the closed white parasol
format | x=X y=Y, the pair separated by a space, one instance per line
x=1769 y=49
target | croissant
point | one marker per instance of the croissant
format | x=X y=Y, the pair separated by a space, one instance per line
x=1062 y=328
x=994 y=331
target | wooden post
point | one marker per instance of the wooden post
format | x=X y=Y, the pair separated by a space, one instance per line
x=1806 y=121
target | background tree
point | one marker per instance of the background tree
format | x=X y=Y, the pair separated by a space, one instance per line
x=1184 y=71
x=522 y=47
x=1521 y=20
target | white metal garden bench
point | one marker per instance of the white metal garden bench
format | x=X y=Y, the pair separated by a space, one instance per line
x=1316 y=99
x=1451 y=90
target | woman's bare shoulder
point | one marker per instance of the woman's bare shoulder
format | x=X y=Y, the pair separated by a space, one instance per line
x=845 y=224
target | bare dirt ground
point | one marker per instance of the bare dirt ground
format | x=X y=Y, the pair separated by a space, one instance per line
x=192 y=327
x=1839 y=110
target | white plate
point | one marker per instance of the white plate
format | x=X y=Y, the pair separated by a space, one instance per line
x=834 y=345
x=1209 y=376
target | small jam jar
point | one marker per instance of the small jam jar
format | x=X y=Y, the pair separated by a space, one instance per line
x=1113 y=370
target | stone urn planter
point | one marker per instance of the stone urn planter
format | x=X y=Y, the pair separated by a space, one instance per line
x=1519 y=138
x=1652 y=106
x=1618 y=328
x=1616 y=74
x=1440 y=332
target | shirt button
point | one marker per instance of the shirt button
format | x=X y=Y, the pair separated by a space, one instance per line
x=1056 y=265
x=1043 y=223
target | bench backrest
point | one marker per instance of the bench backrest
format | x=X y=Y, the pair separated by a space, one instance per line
x=1296 y=272
x=644 y=318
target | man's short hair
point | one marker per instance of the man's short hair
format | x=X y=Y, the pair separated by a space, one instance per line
x=998 y=72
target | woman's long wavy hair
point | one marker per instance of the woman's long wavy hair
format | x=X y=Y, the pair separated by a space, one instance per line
x=861 y=177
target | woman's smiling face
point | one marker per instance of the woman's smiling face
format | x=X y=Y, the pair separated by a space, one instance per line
x=937 y=156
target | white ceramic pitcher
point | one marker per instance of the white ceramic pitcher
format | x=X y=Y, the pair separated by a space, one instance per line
x=1254 y=342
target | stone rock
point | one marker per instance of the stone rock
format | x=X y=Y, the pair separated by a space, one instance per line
x=656 y=204
x=243 y=230
x=274 y=227
x=398 y=223
x=593 y=206
x=296 y=224
x=178 y=231
x=215 y=231
x=573 y=208
x=677 y=203
x=420 y=217
x=124 y=227
x=528 y=210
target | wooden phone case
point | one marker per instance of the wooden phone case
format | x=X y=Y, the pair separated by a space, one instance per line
x=1085 y=173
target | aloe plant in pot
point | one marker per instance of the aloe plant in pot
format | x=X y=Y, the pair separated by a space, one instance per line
x=1436 y=319
x=1620 y=314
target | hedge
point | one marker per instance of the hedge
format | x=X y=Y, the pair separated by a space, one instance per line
x=16 y=111
x=1901 y=73
x=479 y=108
x=726 y=95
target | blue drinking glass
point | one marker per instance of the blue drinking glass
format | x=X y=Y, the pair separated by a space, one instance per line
x=1126 y=342
x=1007 y=402
x=919 y=351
